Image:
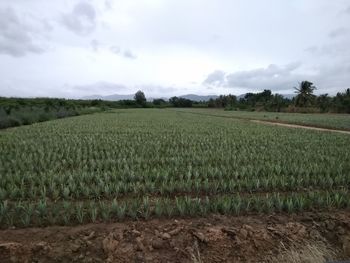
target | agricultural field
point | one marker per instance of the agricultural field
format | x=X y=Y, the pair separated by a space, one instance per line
x=163 y=163
x=322 y=120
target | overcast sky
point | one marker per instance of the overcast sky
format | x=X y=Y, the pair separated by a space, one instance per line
x=67 y=48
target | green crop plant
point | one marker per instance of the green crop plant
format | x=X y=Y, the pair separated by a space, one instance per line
x=4 y=210
x=80 y=212
x=144 y=163
x=105 y=210
x=93 y=211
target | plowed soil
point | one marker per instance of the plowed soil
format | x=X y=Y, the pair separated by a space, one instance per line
x=253 y=238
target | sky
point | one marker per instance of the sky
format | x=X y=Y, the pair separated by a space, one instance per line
x=77 y=48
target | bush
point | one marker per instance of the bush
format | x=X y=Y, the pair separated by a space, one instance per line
x=8 y=122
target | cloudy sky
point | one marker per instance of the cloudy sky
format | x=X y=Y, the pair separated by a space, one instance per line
x=68 y=48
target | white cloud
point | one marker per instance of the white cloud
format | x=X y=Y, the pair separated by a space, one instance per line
x=172 y=47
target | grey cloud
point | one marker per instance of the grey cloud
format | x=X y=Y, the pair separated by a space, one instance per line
x=81 y=20
x=273 y=77
x=216 y=78
x=128 y=54
x=328 y=78
x=347 y=10
x=100 y=88
x=122 y=52
x=108 y=5
x=17 y=38
x=152 y=91
x=332 y=50
x=341 y=31
x=94 y=45
x=334 y=77
x=115 y=49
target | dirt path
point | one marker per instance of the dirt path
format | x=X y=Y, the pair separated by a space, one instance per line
x=217 y=238
x=277 y=123
x=299 y=126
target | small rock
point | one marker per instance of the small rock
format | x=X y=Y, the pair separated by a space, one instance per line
x=175 y=231
x=314 y=234
x=165 y=236
x=136 y=233
x=272 y=229
x=74 y=247
x=139 y=257
x=201 y=237
x=341 y=231
x=243 y=233
x=109 y=244
x=230 y=232
x=41 y=246
x=248 y=228
x=158 y=243
x=330 y=225
x=346 y=246
x=139 y=244
x=90 y=236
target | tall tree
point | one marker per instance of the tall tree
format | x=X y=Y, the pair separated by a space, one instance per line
x=323 y=102
x=305 y=95
x=140 y=98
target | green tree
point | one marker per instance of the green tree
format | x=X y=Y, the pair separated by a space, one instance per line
x=305 y=95
x=324 y=102
x=277 y=102
x=140 y=98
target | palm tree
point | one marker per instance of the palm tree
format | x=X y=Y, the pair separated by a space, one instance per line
x=305 y=93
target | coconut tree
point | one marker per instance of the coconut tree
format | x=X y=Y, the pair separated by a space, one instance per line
x=305 y=93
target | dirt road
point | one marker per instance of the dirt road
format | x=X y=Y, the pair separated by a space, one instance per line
x=299 y=126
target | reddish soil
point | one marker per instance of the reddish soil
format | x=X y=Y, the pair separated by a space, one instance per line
x=253 y=238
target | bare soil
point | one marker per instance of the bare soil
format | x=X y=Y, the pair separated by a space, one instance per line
x=299 y=126
x=217 y=238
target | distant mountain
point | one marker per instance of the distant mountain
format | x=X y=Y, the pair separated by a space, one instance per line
x=116 y=97
x=240 y=96
x=113 y=97
x=289 y=96
x=195 y=97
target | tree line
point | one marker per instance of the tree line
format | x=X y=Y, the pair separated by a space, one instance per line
x=23 y=111
x=304 y=101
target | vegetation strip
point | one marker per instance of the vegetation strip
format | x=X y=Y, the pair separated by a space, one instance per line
x=295 y=124
x=299 y=126
x=24 y=214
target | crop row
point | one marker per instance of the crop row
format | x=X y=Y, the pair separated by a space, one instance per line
x=44 y=212
x=105 y=187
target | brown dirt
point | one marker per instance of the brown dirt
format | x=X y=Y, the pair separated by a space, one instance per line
x=299 y=126
x=253 y=238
